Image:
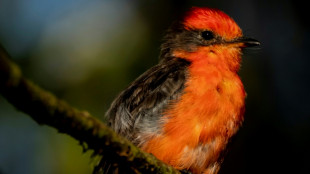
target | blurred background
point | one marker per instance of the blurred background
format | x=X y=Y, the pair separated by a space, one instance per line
x=86 y=52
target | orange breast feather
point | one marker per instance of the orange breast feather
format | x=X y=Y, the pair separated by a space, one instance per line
x=197 y=127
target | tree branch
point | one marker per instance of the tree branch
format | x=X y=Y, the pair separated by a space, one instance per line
x=46 y=109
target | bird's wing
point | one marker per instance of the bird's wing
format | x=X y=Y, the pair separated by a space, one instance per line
x=139 y=107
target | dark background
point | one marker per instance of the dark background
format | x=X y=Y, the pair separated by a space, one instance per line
x=86 y=52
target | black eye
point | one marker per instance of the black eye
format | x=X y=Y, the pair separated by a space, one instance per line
x=207 y=35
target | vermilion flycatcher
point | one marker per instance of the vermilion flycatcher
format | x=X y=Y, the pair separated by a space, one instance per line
x=185 y=109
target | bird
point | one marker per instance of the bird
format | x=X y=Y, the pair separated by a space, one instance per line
x=186 y=109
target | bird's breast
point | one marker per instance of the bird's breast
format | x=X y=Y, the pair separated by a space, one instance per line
x=207 y=114
x=212 y=105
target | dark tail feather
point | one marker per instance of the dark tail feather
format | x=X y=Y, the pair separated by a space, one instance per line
x=99 y=168
x=107 y=167
x=104 y=167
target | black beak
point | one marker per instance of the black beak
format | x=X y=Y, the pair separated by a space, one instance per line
x=248 y=42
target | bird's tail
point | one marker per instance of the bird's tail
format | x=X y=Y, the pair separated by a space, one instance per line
x=104 y=167
x=107 y=167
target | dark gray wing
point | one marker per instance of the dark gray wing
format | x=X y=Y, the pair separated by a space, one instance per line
x=138 y=108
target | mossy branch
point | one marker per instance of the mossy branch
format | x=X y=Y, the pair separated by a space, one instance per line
x=43 y=107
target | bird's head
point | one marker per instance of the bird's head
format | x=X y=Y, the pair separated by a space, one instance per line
x=206 y=35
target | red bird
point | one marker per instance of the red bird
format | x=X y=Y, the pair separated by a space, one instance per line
x=185 y=109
